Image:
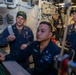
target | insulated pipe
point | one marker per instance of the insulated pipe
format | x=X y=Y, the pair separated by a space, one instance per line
x=65 y=33
x=67 y=4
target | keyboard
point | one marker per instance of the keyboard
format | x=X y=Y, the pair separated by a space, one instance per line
x=3 y=70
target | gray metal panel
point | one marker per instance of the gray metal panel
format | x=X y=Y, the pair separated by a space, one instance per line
x=14 y=68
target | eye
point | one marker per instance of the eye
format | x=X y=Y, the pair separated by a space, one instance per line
x=42 y=31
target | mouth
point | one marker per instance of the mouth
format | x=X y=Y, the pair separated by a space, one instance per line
x=38 y=37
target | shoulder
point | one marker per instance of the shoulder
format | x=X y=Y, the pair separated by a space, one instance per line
x=26 y=27
x=54 y=47
x=53 y=44
x=5 y=30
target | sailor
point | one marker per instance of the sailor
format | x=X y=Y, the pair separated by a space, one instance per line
x=71 y=35
x=43 y=51
x=20 y=35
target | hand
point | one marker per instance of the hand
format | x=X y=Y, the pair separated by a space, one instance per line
x=23 y=46
x=2 y=57
x=11 y=38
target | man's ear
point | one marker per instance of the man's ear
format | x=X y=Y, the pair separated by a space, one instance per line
x=51 y=34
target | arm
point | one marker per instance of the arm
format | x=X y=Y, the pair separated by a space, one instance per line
x=30 y=38
x=3 y=38
x=19 y=55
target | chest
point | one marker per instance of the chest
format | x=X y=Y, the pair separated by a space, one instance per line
x=42 y=56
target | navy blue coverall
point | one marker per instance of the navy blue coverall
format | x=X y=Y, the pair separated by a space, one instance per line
x=71 y=38
x=43 y=60
x=26 y=37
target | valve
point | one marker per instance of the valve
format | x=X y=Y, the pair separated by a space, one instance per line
x=59 y=60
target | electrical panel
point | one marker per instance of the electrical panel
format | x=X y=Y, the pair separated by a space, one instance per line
x=32 y=2
x=48 y=8
x=9 y=2
x=5 y=3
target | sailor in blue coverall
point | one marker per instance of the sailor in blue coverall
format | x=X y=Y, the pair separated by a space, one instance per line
x=43 y=51
x=26 y=37
x=43 y=60
x=22 y=37
x=71 y=35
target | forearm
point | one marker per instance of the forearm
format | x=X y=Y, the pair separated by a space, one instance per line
x=13 y=56
x=19 y=55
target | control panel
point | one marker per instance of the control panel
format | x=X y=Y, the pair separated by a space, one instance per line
x=7 y=13
x=7 y=2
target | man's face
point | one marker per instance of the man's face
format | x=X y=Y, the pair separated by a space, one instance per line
x=20 y=20
x=43 y=33
x=74 y=16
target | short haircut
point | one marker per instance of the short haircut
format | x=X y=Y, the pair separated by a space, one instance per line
x=48 y=24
